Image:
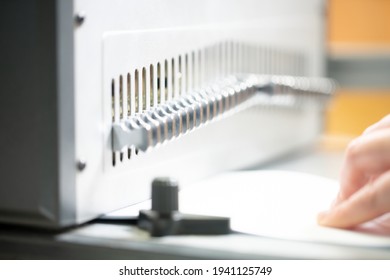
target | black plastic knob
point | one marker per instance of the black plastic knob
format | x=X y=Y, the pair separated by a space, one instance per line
x=165 y=195
x=165 y=219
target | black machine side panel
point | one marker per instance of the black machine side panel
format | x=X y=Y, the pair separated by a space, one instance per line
x=28 y=111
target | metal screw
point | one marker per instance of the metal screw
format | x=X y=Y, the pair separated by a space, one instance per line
x=81 y=164
x=80 y=18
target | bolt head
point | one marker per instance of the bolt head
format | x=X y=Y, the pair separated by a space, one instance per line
x=81 y=164
x=80 y=18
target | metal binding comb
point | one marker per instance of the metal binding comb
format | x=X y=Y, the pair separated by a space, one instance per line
x=177 y=117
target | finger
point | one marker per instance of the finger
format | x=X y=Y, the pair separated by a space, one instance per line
x=379 y=226
x=366 y=157
x=351 y=179
x=383 y=123
x=368 y=203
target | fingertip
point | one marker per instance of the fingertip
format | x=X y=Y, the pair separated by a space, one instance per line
x=334 y=217
x=321 y=217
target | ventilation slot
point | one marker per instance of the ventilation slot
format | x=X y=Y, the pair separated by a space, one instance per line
x=121 y=109
x=151 y=85
x=166 y=80
x=113 y=114
x=174 y=94
x=136 y=91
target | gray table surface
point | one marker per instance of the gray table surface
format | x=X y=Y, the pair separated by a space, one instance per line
x=122 y=241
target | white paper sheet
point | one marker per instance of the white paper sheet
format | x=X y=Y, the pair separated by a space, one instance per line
x=277 y=204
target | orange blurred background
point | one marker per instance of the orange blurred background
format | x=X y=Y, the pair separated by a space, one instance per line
x=358 y=29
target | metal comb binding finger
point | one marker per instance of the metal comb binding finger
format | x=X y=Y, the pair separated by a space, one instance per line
x=180 y=116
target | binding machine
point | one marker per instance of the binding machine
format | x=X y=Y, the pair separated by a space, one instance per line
x=104 y=96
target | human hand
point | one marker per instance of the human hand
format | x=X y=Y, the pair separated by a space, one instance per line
x=365 y=181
